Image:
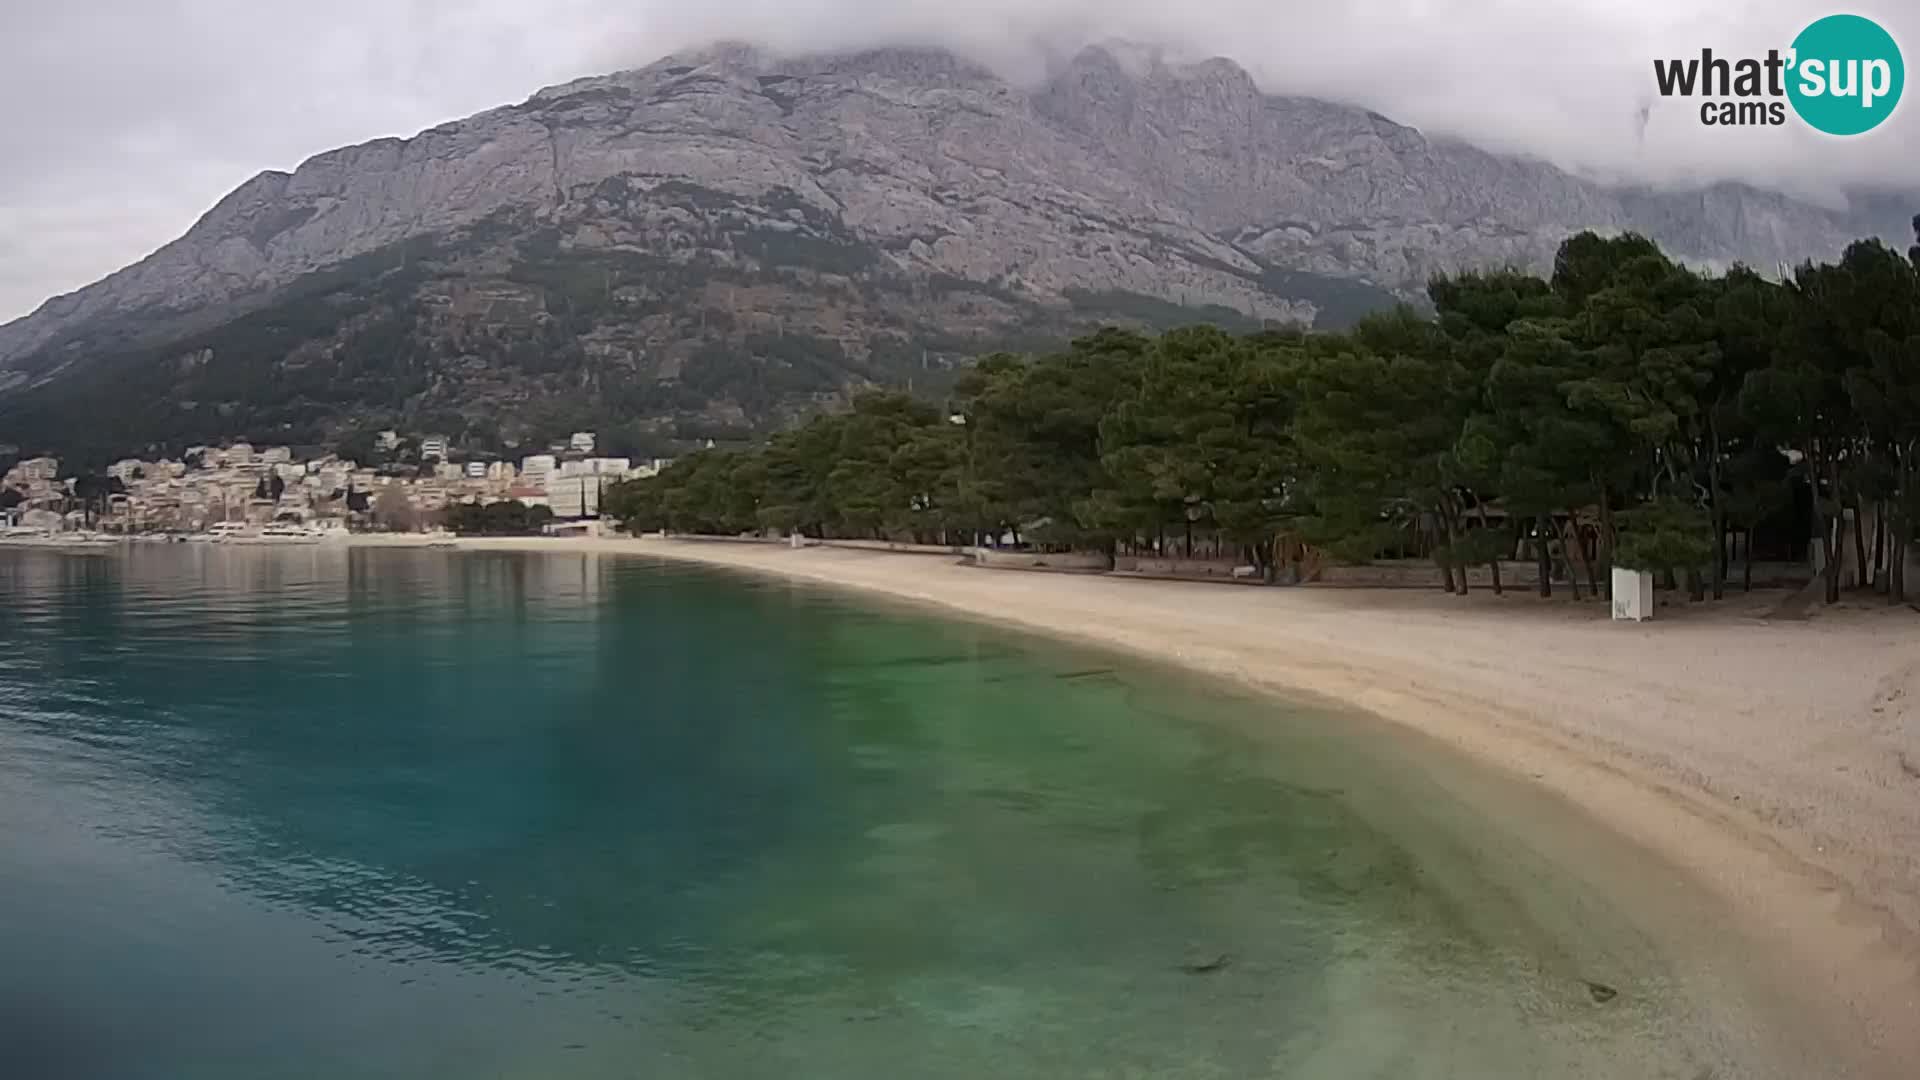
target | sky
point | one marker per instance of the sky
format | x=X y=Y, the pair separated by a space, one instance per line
x=125 y=120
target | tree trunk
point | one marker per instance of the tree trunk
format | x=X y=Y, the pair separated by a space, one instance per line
x=1859 y=544
x=1437 y=548
x=1897 y=580
x=1542 y=556
x=1718 y=513
x=1719 y=556
x=1696 y=585
x=1456 y=533
x=1577 y=550
x=1834 y=534
x=1746 y=572
x=1899 y=529
x=1493 y=564
x=1832 y=590
x=1830 y=543
x=1605 y=542
x=1880 y=510
x=1822 y=535
x=1452 y=521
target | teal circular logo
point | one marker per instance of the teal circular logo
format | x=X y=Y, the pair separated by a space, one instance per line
x=1846 y=76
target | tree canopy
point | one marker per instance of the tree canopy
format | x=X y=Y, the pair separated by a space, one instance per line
x=1625 y=410
x=508 y=517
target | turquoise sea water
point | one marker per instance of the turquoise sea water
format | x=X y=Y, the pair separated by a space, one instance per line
x=330 y=813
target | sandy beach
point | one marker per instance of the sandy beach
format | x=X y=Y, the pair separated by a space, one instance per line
x=1774 y=762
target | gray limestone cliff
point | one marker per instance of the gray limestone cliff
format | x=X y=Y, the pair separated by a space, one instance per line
x=890 y=209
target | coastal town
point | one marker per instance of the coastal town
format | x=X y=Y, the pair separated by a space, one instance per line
x=242 y=489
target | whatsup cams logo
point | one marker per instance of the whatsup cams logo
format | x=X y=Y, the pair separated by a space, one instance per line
x=1842 y=75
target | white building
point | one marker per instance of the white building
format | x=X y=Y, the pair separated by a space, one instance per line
x=447 y=470
x=237 y=455
x=388 y=441
x=581 y=442
x=502 y=470
x=428 y=495
x=476 y=470
x=40 y=468
x=433 y=446
x=574 y=496
x=276 y=455
x=609 y=466
x=126 y=469
x=536 y=468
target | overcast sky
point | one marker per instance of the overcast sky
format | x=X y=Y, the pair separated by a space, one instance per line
x=124 y=120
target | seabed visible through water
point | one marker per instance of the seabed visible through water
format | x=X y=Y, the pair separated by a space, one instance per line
x=358 y=813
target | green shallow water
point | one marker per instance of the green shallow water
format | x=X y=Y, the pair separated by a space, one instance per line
x=330 y=813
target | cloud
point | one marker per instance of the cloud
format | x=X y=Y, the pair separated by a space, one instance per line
x=130 y=117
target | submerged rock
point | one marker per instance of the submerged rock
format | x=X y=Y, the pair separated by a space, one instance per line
x=1210 y=966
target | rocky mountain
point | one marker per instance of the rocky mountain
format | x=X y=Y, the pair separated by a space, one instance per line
x=717 y=242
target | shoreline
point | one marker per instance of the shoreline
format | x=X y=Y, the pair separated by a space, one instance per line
x=1782 y=779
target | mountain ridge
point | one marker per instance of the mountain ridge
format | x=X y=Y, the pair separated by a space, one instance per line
x=1115 y=181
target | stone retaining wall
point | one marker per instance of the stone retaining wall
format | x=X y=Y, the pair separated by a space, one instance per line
x=1076 y=561
x=1390 y=574
x=1200 y=569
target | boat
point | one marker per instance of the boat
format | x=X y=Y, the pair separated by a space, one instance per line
x=278 y=534
x=290 y=534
